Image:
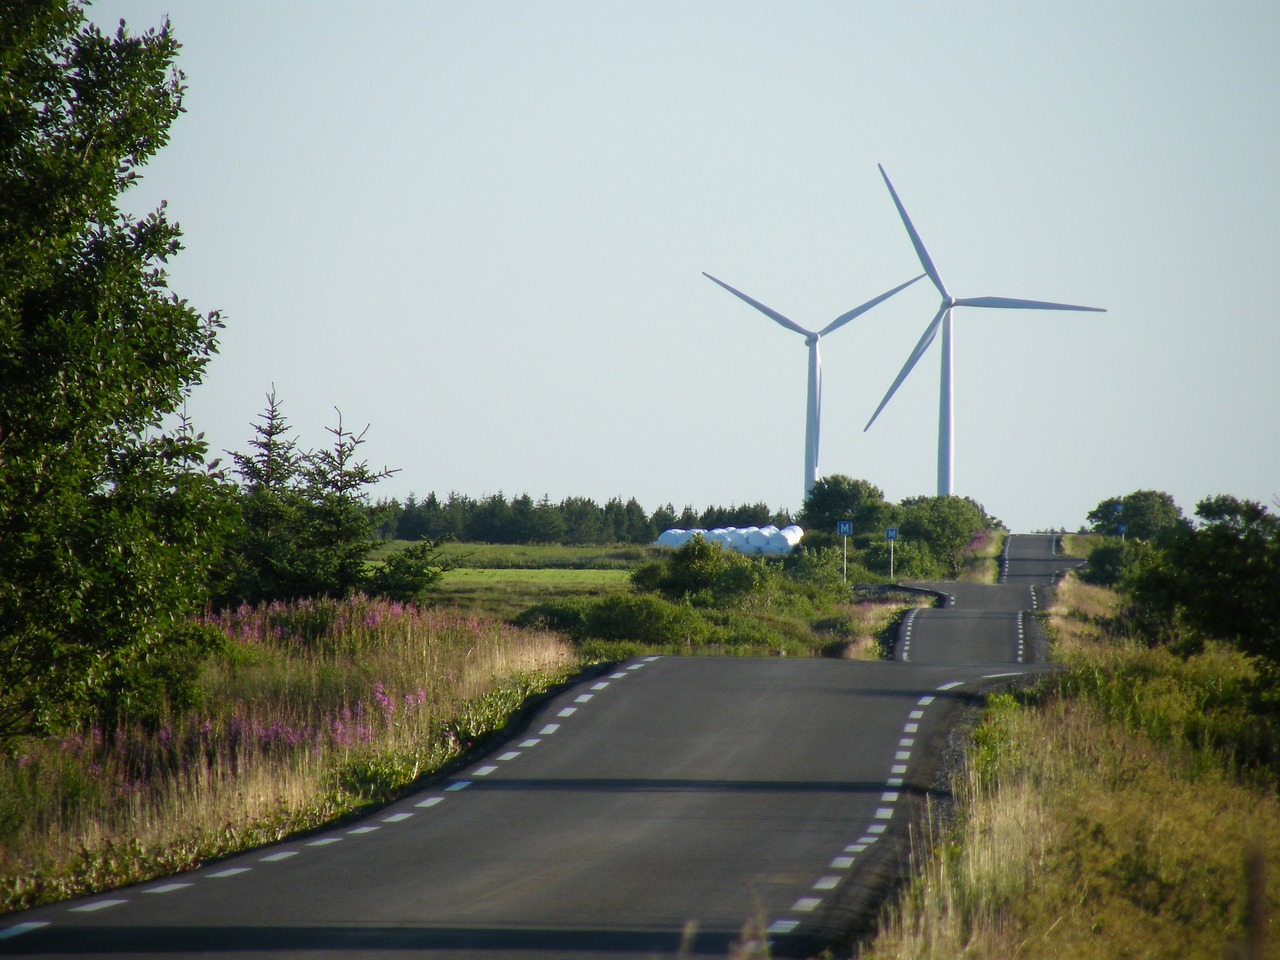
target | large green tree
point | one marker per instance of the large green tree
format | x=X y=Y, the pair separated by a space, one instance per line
x=108 y=520
x=1143 y=515
x=838 y=497
x=1220 y=578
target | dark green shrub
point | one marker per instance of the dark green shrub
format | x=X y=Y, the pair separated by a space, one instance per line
x=566 y=616
x=642 y=617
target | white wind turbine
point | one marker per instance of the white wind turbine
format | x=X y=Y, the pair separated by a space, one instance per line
x=946 y=426
x=811 y=338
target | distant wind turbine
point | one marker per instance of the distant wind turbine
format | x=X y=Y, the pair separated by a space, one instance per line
x=814 y=407
x=946 y=425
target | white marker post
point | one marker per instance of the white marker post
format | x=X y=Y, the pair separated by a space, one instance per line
x=843 y=529
x=891 y=534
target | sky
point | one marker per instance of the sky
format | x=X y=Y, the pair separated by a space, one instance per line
x=480 y=229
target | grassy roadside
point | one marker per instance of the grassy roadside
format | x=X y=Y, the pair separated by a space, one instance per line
x=315 y=711
x=312 y=712
x=1106 y=812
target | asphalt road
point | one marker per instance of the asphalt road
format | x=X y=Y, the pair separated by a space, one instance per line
x=654 y=808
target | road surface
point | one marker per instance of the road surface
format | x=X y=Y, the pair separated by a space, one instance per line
x=655 y=808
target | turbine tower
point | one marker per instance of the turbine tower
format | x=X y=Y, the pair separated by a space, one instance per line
x=814 y=405
x=946 y=425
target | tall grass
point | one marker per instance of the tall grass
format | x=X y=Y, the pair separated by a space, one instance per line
x=1106 y=813
x=312 y=710
x=980 y=563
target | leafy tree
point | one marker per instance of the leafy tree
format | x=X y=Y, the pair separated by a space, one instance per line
x=946 y=524
x=108 y=521
x=1220 y=579
x=839 y=497
x=705 y=572
x=1145 y=514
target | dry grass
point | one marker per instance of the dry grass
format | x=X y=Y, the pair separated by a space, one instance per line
x=868 y=624
x=314 y=710
x=1103 y=817
x=1081 y=615
x=982 y=559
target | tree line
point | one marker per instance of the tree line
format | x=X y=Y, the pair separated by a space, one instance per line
x=573 y=520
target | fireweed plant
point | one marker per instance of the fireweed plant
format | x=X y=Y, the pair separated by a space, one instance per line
x=310 y=711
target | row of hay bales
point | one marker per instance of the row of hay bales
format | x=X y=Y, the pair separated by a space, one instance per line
x=765 y=541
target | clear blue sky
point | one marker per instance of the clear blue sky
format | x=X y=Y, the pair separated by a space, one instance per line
x=480 y=227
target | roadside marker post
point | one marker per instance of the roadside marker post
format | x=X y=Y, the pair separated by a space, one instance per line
x=891 y=534
x=844 y=528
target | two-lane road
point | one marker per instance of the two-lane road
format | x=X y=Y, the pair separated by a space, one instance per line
x=668 y=798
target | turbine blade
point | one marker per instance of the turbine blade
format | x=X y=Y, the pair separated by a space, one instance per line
x=916 y=242
x=1012 y=304
x=930 y=332
x=844 y=318
x=767 y=311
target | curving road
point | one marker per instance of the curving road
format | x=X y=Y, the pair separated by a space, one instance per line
x=652 y=809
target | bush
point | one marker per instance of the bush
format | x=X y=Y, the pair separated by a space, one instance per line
x=706 y=574
x=565 y=616
x=643 y=618
x=405 y=577
x=1109 y=563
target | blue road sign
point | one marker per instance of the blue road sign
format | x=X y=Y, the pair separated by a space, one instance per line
x=891 y=533
x=844 y=528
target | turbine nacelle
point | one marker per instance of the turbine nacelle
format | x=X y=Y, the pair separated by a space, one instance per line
x=942 y=320
x=813 y=404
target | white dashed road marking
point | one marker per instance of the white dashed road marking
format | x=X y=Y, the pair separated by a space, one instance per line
x=96 y=906
x=229 y=872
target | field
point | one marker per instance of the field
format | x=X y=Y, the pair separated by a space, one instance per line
x=505 y=591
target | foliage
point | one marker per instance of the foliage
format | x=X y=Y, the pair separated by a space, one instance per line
x=839 y=497
x=1145 y=514
x=573 y=520
x=108 y=520
x=948 y=525
x=1111 y=561
x=1219 y=579
x=306 y=530
x=408 y=575
x=642 y=617
x=310 y=711
x=705 y=573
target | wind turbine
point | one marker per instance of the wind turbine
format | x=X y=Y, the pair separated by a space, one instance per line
x=946 y=425
x=813 y=410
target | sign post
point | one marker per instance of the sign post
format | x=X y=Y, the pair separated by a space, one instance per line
x=891 y=534
x=844 y=528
